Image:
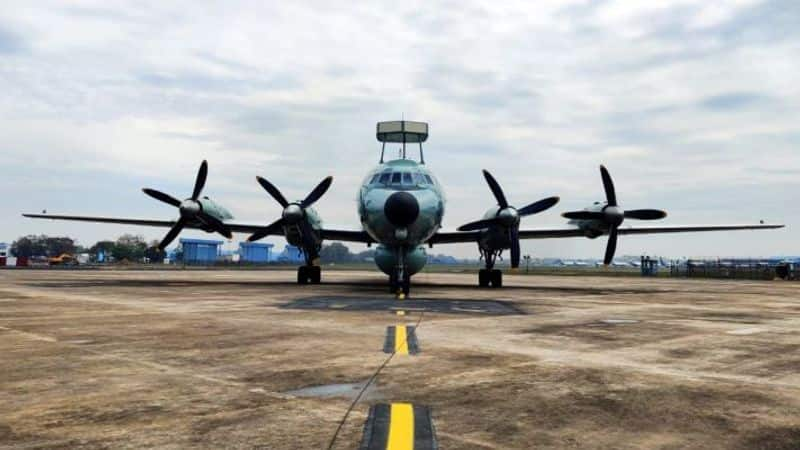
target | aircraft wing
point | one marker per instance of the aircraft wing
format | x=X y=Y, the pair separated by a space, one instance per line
x=551 y=233
x=454 y=237
x=334 y=235
x=577 y=232
x=235 y=227
x=346 y=235
x=144 y=222
x=696 y=228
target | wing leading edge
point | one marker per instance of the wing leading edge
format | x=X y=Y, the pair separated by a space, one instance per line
x=553 y=233
x=336 y=235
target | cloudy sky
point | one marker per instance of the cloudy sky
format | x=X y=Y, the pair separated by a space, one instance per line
x=692 y=106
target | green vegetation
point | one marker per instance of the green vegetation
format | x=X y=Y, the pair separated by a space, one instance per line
x=42 y=245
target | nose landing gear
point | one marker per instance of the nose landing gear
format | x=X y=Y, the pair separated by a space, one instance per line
x=402 y=286
x=400 y=280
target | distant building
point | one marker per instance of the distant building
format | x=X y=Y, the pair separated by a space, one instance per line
x=291 y=254
x=200 y=251
x=442 y=259
x=255 y=252
x=3 y=253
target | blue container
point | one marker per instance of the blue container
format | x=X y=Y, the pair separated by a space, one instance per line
x=255 y=252
x=200 y=251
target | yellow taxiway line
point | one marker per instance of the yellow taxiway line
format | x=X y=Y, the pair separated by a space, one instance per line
x=401 y=426
x=400 y=340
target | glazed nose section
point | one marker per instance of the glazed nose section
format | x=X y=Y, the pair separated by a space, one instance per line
x=401 y=209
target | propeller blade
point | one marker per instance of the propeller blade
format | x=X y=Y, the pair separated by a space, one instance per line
x=318 y=192
x=515 y=251
x=273 y=191
x=478 y=225
x=216 y=224
x=200 y=181
x=583 y=215
x=158 y=195
x=538 y=207
x=645 y=214
x=307 y=236
x=496 y=189
x=173 y=233
x=608 y=185
x=611 y=247
x=266 y=231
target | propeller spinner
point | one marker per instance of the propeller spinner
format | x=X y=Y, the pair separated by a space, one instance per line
x=189 y=209
x=612 y=215
x=293 y=213
x=507 y=216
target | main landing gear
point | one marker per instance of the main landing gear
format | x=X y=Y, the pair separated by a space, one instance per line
x=490 y=276
x=309 y=274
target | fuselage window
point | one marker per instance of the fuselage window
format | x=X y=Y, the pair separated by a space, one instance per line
x=407 y=178
x=396 y=178
x=384 y=178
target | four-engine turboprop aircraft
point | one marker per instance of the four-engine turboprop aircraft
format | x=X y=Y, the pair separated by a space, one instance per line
x=401 y=205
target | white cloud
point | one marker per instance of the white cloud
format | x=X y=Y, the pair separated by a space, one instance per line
x=686 y=100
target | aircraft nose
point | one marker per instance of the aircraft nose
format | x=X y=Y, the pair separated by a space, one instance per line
x=401 y=209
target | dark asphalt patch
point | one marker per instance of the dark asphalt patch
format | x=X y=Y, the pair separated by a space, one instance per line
x=390 y=344
x=417 y=430
x=433 y=305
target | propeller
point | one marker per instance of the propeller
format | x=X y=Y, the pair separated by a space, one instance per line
x=293 y=213
x=507 y=216
x=189 y=208
x=612 y=215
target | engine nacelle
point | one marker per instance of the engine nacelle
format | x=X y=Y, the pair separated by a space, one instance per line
x=386 y=259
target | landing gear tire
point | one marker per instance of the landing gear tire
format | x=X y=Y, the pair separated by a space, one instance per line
x=496 y=278
x=483 y=278
x=314 y=274
x=302 y=275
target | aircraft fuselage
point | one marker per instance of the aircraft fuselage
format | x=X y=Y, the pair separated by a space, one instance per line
x=400 y=206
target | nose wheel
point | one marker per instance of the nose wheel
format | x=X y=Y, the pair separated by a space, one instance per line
x=400 y=283
x=490 y=277
x=309 y=274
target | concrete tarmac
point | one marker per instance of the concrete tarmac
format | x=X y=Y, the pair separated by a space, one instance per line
x=214 y=359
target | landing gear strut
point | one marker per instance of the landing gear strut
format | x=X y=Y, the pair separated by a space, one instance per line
x=400 y=280
x=490 y=276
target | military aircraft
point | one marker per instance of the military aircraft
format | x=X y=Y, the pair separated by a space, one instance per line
x=401 y=205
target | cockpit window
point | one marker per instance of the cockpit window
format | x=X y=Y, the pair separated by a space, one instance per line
x=384 y=177
x=396 y=178
x=374 y=179
x=428 y=178
x=407 y=178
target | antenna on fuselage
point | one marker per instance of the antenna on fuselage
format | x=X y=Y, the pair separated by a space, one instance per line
x=402 y=132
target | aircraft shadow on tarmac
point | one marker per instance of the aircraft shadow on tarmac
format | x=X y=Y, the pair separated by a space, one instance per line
x=366 y=286
x=428 y=305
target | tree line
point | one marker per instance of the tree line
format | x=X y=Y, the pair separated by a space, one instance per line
x=127 y=247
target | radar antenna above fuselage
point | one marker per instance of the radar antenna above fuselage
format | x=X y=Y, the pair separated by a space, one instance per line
x=402 y=131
